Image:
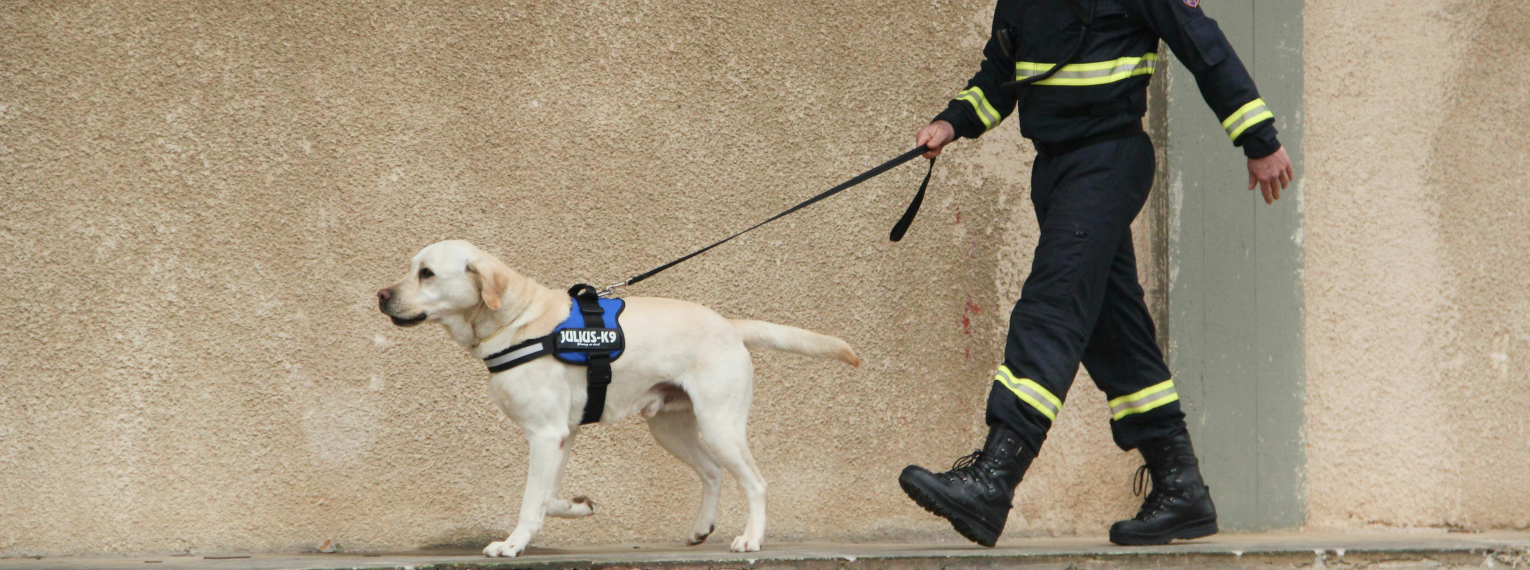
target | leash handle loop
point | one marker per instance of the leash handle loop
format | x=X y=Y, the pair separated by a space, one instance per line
x=907 y=220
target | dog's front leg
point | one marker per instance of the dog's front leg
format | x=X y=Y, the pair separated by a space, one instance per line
x=580 y=506
x=544 y=464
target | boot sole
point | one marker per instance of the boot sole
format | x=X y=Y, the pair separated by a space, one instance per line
x=1187 y=531
x=962 y=521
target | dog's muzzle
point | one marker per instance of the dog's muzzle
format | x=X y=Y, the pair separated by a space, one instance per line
x=385 y=298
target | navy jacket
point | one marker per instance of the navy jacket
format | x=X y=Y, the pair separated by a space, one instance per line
x=1106 y=89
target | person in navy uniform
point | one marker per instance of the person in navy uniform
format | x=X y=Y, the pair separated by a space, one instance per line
x=1081 y=302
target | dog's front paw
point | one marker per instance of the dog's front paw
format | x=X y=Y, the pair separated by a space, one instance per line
x=745 y=544
x=580 y=506
x=503 y=550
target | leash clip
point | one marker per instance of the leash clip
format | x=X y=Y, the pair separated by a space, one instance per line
x=610 y=290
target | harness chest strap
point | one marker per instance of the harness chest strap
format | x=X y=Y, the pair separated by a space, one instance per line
x=519 y=354
x=598 y=362
x=583 y=339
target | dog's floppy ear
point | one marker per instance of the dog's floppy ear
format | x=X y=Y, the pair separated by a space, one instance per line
x=493 y=280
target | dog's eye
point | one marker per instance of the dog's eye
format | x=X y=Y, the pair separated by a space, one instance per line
x=426 y=273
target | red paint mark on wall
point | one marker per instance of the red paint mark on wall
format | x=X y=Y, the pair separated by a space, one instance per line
x=958 y=214
x=967 y=312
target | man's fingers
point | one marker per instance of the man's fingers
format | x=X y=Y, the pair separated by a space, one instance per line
x=1268 y=189
x=924 y=138
x=1252 y=180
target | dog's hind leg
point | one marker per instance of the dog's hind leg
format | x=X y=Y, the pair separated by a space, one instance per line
x=721 y=404
x=676 y=433
x=729 y=444
x=580 y=506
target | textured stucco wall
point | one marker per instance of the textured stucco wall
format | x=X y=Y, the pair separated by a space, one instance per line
x=198 y=200
x=1418 y=314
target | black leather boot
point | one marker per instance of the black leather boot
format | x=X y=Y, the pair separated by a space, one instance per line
x=978 y=491
x=1179 y=505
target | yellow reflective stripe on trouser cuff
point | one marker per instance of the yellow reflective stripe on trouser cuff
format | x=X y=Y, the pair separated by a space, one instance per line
x=1144 y=400
x=974 y=96
x=1251 y=114
x=1031 y=392
x=1084 y=74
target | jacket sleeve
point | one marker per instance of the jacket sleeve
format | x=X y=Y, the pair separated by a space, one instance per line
x=983 y=105
x=1225 y=84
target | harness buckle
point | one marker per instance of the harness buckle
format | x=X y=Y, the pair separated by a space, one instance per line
x=610 y=290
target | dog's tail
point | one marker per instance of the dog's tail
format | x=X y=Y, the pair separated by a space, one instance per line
x=760 y=334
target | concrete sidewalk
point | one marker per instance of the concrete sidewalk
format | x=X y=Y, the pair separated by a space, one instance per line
x=1389 y=551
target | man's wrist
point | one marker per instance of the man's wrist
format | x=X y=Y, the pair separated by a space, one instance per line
x=956 y=117
x=1257 y=148
x=1259 y=141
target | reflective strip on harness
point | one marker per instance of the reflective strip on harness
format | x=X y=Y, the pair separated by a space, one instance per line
x=1251 y=114
x=974 y=96
x=514 y=354
x=1084 y=74
x=1144 y=400
x=1031 y=392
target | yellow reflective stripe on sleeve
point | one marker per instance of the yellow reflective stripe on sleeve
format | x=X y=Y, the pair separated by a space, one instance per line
x=974 y=96
x=1085 y=74
x=1030 y=392
x=1249 y=115
x=1143 y=400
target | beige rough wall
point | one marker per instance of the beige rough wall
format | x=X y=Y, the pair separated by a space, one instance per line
x=1418 y=311
x=198 y=200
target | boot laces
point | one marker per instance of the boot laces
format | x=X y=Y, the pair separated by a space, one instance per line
x=965 y=468
x=967 y=460
x=1141 y=480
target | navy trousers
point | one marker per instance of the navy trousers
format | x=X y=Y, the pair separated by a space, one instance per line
x=1081 y=302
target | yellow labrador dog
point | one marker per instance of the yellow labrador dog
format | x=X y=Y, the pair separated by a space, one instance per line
x=686 y=370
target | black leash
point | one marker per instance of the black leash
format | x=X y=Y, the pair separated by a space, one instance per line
x=897 y=232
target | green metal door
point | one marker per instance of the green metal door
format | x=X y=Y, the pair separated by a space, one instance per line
x=1234 y=269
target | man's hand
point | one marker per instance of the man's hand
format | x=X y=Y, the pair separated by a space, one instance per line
x=1271 y=174
x=935 y=135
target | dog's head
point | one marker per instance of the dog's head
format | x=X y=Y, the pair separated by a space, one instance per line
x=449 y=278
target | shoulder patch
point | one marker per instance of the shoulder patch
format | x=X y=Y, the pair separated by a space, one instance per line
x=1193 y=3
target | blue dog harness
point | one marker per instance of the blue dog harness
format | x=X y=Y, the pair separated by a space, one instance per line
x=591 y=336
